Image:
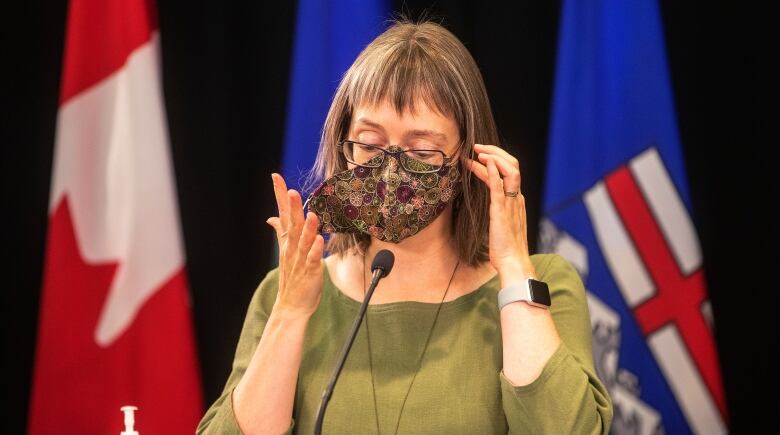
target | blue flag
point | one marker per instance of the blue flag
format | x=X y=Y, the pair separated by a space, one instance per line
x=616 y=205
x=328 y=37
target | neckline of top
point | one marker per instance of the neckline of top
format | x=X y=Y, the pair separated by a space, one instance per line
x=405 y=305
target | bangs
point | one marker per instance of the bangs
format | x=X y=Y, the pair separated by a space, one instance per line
x=404 y=74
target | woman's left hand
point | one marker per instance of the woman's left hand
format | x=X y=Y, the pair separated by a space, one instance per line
x=508 y=241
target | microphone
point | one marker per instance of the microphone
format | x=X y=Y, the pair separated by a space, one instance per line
x=383 y=260
x=380 y=268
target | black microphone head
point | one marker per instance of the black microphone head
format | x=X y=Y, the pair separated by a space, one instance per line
x=383 y=260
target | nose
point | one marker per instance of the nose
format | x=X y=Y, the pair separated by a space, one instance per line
x=390 y=167
x=391 y=163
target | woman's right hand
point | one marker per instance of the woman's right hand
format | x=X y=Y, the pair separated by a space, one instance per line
x=300 y=253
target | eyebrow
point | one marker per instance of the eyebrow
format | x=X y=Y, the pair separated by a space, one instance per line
x=366 y=121
x=428 y=133
x=415 y=133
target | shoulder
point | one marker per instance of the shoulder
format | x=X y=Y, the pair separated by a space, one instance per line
x=558 y=273
x=551 y=264
x=542 y=262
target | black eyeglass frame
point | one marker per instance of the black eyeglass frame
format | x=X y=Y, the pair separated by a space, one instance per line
x=447 y=160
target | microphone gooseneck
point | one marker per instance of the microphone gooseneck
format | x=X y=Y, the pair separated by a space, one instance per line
x=380 y=268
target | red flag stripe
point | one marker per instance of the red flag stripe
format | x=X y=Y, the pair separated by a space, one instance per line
x=679 y=298
x=100 y=36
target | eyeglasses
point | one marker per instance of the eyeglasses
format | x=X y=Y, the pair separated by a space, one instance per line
x=413 y=160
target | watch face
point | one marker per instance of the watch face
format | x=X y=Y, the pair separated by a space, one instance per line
x=540 y=293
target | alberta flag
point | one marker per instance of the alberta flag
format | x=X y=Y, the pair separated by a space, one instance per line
x=617 y=207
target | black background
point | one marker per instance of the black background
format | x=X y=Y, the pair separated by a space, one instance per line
x=226 y=68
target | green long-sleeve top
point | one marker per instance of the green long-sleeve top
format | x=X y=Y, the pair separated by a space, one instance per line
x=460 y=388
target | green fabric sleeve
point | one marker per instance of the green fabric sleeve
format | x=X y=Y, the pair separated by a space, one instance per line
x=220 y=419
x=567 y=397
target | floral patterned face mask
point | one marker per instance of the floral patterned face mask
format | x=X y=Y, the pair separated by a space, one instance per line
x=387 y=202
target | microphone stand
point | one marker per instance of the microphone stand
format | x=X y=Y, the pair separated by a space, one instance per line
x=378 y=273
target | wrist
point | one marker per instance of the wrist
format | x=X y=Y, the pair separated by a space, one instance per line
x=290 y=315
x=515 y=272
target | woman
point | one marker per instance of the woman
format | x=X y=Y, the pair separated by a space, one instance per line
x=405 y=170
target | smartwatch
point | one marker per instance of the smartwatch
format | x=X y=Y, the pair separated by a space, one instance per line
x=532 y=292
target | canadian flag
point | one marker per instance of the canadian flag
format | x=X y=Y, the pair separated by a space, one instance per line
x=115 y=323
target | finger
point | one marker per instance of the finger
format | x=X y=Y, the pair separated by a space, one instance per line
x=307 y=237
x=282 y=201
x=276 y=224
x=511 y=175
x=479 y=170
x=296 y=217
x=517 y=216
x=497 y=151
x=492 y=149
x=314 y=257
x=496 y=188
x=509 y=183
x=523 y=222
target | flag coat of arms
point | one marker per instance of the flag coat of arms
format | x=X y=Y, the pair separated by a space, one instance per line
x=617 y=207
x=115 y=327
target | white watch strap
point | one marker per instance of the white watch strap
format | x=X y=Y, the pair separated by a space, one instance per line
x=514 y=293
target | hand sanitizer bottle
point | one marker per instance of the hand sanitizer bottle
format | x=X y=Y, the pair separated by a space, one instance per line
x=129 y=420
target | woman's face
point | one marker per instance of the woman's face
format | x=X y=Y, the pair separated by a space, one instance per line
x=422 y=129
x=387 y=198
